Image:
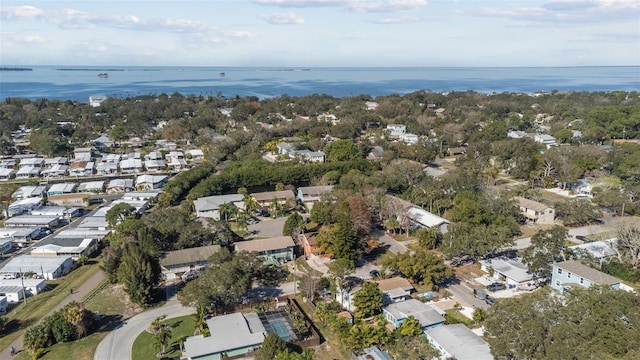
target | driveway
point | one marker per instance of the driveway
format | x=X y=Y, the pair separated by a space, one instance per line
x=392 y=244
x=118 y=343
x=267 y=228
x=464 y=294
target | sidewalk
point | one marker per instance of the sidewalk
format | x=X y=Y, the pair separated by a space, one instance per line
x=77 y=295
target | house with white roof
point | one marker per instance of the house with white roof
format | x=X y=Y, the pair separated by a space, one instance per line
x=26 y=172
x=150 y=182
x=546 y=140
x=420 y=218
x=50 y=268
x=371 y=105
x=456 y=341
x=102 y=142
x=149 y=195
x=396 y=131
x=83 y=154
x=32 y=221
x=310 y=195
x=308 y=155
x=31 y=286
x=429 y=315
x=154 y=155
x=107 y=168
x=154 y=165
x=24 y=192
x=91 y=186
x=6 y=174
x=131 y=166
x=32 y=162
x=409 y=138
x=23 y=205
x=96 y=100
x=55 y=171
x=513 y=272
x=600 y=250
x=61 y=188
x=208 y=207
x=81 y=168
x=195 y=154
x=232 y=335
x=51 y=162
x=177 y=163
x=120 y=185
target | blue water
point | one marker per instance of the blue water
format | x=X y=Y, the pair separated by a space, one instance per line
x=78 y=83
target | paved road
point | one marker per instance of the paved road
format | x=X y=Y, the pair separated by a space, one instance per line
x=77 y=295
x=391 y=243
x=118 y=343
x=464 y=294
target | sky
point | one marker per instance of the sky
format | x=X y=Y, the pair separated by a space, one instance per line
x=321 y=33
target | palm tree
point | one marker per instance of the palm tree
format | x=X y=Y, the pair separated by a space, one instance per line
x=162 y=338
x=241 y=220
x=250 y=204
x=224 y=210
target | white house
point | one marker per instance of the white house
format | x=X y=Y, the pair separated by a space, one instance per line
x=120 y=185
x=310 y=195
x=456 y=341
x=82 y=154
x=61 y=188
x=131 y=165
x=24 y=192
x=546 y=140
x=409 y=138
x=55 y=171
x=420 y=218
x=13 y=294
x=513 y=272
x=150 y=182
x=6 y=174
x=50 y=268
x=96 y=100
x=26 y=172
x=106 y=168
x=91 y=186
x=154 y=165
x=208 y=207
x=6 y=245
x=23 y=205
x=31 y=286
x=396 y=131
x=429 y=315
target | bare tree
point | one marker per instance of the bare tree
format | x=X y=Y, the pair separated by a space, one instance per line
x=627 y=247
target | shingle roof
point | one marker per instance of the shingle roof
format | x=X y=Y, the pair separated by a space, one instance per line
x=270 y=195
x=530 y=204
x=394 y=283
x=588 y=273
x=265 y=244
x=186 y=256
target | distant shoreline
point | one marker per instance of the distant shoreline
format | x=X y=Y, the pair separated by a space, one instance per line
x=15 y=69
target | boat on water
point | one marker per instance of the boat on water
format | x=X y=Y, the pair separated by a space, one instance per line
x=103 y=75
x=222 y=74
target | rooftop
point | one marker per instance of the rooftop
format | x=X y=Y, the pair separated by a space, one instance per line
x=426 y=314
x=460 y=342
x=187 y=256
x=213 y=202
x=593 y=275
x=530 y=204
x=270 y=195
x=425 y=218
x=394 y=283
x=265 y=244
x=512 y=269
x=36 y=264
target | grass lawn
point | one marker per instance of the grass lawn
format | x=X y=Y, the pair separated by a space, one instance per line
x=180 y=327
x=331 y=348
x=456 y=317
x=25 y=315
x=82 y=349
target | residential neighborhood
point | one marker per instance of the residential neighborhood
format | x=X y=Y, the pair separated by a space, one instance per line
x=321 y=228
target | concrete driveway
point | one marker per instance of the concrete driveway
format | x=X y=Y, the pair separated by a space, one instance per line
x=118 y=343
x=392 y=244
x=267 y=227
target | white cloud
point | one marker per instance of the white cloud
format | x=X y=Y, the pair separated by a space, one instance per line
x=287 y=18
x=353 y=5
x=20 y=12
x=386 y=6
x=302 y=3
x=568 y=11
x=399 y=20
x=21 y=38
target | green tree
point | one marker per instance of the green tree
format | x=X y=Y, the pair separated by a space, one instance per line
x=61 y=329
x=410 y=327
x=547 y=247
x=162 y=338
x=293 y=224
x=306 y=354
x=118 y=213
x=342 y=150
x=594 y=323
x=577 y=212
x=479 y=314
x=422 y=266
x=271 y=346
x=36 y=337
x=412 y=348
x=340 y=268
x=139 y=271
x=368 y=301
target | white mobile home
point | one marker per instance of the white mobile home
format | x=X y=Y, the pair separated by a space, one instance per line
x=49 y=268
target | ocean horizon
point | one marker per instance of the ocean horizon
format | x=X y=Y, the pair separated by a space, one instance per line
x=77 y=83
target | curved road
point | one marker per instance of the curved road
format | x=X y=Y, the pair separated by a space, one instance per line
x=118 y=343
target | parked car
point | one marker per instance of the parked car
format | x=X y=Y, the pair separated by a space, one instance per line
x=490 y=301
x=496 y=286
x=480 y=293
x=374 y=273
x=252 y=221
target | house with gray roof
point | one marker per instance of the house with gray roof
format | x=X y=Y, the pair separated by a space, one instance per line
x=275 y=250
x=536 y=212
x=49 y=267
x=458 y=342
x=178 y=262
x=208 y=207
x=514 y=272
x=231 y=335
x=572 y=273
x=428 y=315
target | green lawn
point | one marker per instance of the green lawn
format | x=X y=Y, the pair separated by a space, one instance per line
x=180 y=327
x=25 y=315
x=82 y=349
x=456 y=317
